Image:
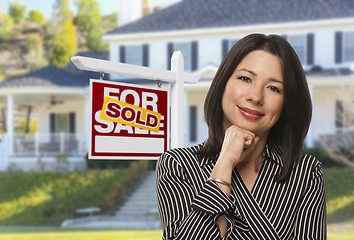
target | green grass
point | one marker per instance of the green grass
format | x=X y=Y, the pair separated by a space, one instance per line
x=30 y=233
x=340 y=195
x=48 y=198
x=76 y=234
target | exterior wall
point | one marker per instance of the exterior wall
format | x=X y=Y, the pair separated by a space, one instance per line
x=70 y=106
x=324 y=113
x=196 y=99
x=210 y=41
x=323 y=116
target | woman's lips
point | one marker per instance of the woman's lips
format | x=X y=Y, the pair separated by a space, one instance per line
x=250 y=114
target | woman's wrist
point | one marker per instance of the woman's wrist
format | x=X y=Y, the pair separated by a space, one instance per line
x=218 y=180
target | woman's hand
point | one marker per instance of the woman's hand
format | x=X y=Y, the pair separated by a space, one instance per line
x=237 y=144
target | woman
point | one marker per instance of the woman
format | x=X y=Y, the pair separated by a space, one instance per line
x=249 y=179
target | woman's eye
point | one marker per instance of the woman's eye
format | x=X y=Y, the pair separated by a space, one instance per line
x=274 y=89
x=244 y=79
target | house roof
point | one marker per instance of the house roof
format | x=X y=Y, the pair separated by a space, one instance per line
x=198 y=14
x=52 y=76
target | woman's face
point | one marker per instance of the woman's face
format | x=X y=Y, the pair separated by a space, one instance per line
x=254 y=94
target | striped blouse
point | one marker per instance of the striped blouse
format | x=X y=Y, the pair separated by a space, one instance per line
x=189 y=206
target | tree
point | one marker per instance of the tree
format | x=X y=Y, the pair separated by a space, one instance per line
x=64 y=42
x=6 y=26
x=33 y=42
x=36 y=16
x=17 y=11
x=62 y=12
x=35 y=52
x=65 y=45
x=89 y=20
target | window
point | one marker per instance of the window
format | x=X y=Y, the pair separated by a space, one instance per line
x=227 y=44
x=299 y=45
x=189 y=51
x=348 y=46
x=134 y=55
x=62 y=122
x=185 y=48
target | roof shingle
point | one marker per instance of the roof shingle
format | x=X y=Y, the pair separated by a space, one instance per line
x=196 y=14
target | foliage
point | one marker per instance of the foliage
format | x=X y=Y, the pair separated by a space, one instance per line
x=114 y=164
x=21 y=126
x=109 y=21
x=17 y=11
x=36 y=59
x=48 y=198
x=327 y=160
x=33 y=42
x=36 y=17
x=6 y=26
x=89 y=19
x=62 y=11
x=65 y=45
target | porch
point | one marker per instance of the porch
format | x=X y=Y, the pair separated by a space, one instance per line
x=49 y=144
x=43 y=152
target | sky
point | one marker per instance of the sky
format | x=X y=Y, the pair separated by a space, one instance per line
x=45 y=6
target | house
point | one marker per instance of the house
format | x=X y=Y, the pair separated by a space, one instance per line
x=321 y=32
x=60 y=97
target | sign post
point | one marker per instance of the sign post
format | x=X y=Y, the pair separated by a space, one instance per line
x=176 y=76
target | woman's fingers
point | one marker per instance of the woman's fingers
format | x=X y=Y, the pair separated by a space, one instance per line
x=237 y=143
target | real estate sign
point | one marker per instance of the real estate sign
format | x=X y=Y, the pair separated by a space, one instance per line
x=127 y=121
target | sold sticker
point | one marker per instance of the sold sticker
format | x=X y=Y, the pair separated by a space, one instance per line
x=124 y=113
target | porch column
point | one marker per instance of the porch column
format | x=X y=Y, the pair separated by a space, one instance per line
x=186 y=120
x=309 y=138
x=10 y=124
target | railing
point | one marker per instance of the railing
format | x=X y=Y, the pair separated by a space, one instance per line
x=339 y=137
x=48 y=144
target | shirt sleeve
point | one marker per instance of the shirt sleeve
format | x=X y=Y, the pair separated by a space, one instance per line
x=184 y=212
x=311 y=219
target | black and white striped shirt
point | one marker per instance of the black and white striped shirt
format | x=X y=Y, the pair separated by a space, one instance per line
x=189 y=205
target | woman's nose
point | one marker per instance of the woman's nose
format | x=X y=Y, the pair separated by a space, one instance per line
x=256 y=95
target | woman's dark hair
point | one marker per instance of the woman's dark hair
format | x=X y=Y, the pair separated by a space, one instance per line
x=290 y=130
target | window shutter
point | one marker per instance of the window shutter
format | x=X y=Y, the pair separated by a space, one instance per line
x=169 y=55
x=193 y=123
x=194 y=55
x=72 y=122
x=224 y=48
x=122 y=54
x=310 y=48
x=146 y=55
x=52 y=127
x=338 y=47
x=52 y=123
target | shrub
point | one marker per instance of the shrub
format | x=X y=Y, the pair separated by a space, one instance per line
x=327 y=160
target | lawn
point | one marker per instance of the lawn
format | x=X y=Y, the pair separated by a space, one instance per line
x=76 y=234
x=40 y=233
x=31 y=199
